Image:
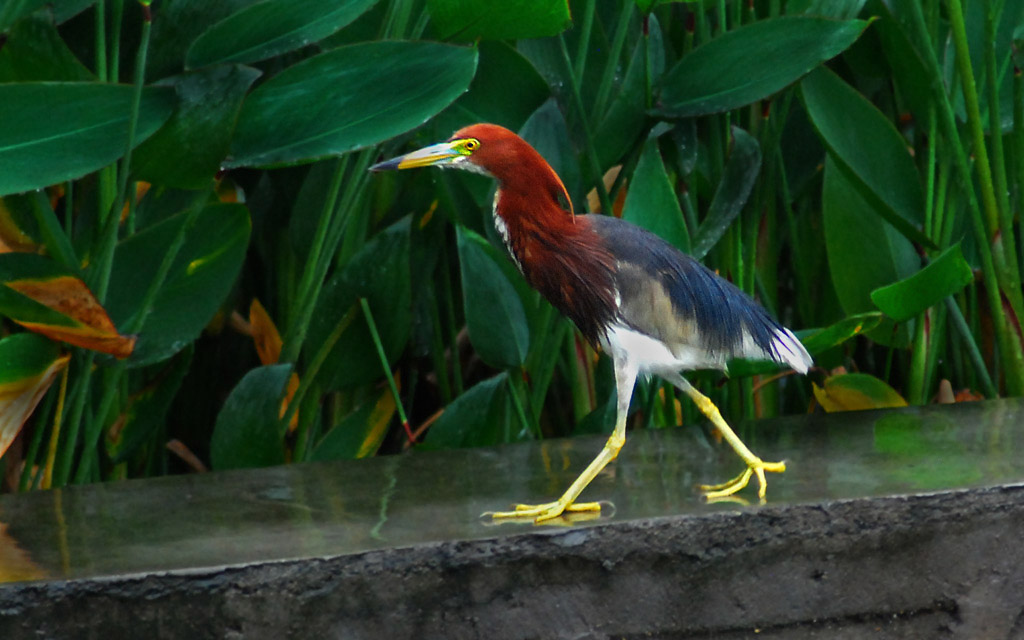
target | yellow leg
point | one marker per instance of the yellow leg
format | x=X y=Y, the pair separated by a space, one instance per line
x=625 y=377
x=755 y=466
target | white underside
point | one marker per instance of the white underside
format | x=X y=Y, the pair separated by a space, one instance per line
x=652 y=356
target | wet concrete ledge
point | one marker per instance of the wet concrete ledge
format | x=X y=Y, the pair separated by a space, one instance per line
x=902 y=524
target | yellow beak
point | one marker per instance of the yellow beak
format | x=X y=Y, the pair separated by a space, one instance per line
x=435 y=154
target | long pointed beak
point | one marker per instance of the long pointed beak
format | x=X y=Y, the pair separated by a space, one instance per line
x=439 y=153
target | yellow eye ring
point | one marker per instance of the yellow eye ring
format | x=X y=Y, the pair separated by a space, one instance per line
x=472 y=144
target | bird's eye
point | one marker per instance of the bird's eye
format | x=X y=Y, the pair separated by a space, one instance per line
x=471 y=145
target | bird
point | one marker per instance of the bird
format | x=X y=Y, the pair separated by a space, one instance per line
x=653 y=309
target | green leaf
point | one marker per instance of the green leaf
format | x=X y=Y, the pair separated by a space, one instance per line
x=505 y=90
x=864 y=252
x=752 y=62
x=360 y=433
x=25 y=355
x=651 y=201
x=348 y=98
x=946 y=275
x=54 y=132
x=495 y=318
x=867 y=147
x=203 y=273
x=477 y=418
x=248 y=432
x=28 y=366
x=737 y=182
x=469 y=20
x=187 y=151
x=379 y=272
x=270 y=28
x=145 y=410
x=34 y=51
x=176 y=27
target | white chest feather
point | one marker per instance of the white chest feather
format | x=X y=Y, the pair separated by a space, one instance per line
x=502 y=228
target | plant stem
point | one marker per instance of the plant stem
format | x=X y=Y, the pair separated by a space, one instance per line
x=386 y=366
x=618 y=40
x=597 y=177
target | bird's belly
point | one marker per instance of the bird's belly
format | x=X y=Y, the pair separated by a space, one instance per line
x=652 y=356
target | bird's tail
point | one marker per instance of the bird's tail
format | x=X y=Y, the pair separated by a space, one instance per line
x=787 y=348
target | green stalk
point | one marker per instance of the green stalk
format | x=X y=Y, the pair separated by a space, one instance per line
x=1009 y=343
x=296 y=334
x=101 y=40
x=309 y=377
x=116 y=17
x=595 y=166
x=918 y=359
x=517 y=394
x=387 y=368
x=584 y=44
x=618 y=40
x=291 y=352
x=978 y=362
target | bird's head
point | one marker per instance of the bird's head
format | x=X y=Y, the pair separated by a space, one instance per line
x=492 y=150
x=481 y=148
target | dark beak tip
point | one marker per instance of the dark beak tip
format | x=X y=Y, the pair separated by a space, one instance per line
x=386 y=165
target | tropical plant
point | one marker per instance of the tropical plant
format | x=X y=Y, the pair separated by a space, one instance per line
x=180 y=180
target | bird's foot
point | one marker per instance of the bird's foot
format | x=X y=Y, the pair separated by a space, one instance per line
x=756 y=466
x=543 y=512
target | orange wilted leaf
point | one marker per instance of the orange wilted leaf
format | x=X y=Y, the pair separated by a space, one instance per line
x=28 y=366
x=85 y=323
x=141 y=189
x=268 y=346
x=264 y=334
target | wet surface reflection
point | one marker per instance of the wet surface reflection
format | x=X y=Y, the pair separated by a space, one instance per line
x=329 y=509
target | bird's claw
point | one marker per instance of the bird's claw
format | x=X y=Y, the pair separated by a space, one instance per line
x=755 y=466
x=541 y=513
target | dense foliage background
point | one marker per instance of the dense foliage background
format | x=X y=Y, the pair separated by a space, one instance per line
x=199 y=271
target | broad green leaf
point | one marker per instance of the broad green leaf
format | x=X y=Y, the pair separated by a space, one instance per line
x=505 y=90
x=44 y=297
x=248 y=432
x=35 y=52
x=752 y=62
x=360 y=433
x=737 y=182
x=477 y=418
x=651 y=201
x=177 y=25
x=864 y=252
x=54 y=132
x=145 y=410
x=348 y=98
x=946 y=275
x=867 y=147
x=28 y=365
x=188 y=150
x=495 y=318
x=379 y=272
x=816 y=341
x=469 y=20
x=270 y=28
x=856 y=392
x=842 y=9
x=201 y=276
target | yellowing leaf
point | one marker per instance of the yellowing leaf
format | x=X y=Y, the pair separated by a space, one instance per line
x=268 y=346
x=378 y=423
x=90 y=326
x=12 y=237
x=856 y=392
x=15 y=564
x=28 y=366
x=264 y=334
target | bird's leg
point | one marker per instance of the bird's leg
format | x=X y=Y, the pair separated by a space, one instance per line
x=755 y=466
x=625 y=377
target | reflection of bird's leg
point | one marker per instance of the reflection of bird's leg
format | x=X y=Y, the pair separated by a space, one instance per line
x=754 y=464
x=625 y=377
